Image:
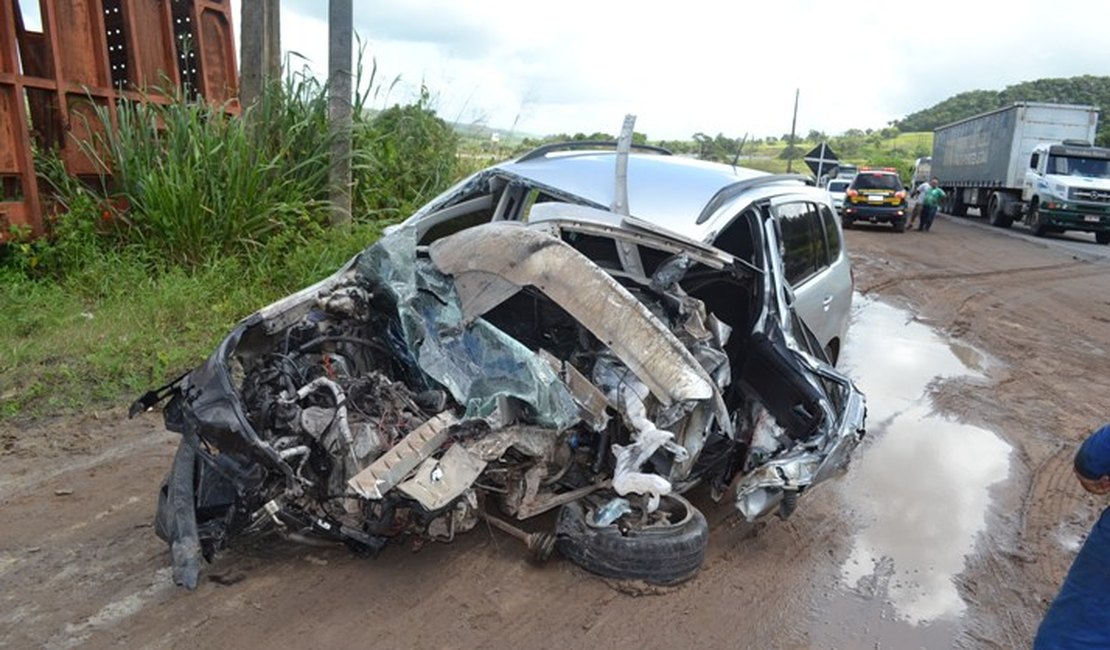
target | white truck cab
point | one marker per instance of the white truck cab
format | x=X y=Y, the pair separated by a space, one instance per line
x=1067 y=187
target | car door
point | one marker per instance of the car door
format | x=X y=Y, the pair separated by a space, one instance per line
x=816 y=267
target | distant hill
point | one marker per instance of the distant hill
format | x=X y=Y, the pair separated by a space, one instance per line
x=1087 y=89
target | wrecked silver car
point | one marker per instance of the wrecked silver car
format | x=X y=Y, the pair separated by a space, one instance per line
x=574 y=361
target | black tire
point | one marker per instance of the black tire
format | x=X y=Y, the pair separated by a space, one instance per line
x=899 y=224
x=845 y=223
x=996 y=214
x=1103 y=237
x=1033 y=218
x=659 y=555
x=959 y=208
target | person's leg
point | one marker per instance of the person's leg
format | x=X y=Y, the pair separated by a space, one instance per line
x=921 y=220
x=932 y=209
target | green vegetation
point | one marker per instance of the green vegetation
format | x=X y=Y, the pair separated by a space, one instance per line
x=1086 y=89
x=206 y=218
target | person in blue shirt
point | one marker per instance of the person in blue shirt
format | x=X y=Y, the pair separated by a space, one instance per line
x=1079 y=617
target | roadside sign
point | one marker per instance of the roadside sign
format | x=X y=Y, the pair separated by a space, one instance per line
x=821 y=160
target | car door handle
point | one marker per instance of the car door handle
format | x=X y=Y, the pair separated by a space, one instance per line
x=826 y=302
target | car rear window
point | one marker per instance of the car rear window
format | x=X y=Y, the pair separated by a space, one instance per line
x=804 y=252
x=877 y=182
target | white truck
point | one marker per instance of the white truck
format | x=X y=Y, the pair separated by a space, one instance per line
x=1029 y=162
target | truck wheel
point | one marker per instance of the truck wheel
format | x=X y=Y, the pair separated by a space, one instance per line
x=899 y=224
x=664 y=552
x=1102 y=237
x=1036 y=224
x=959 y=208
x=996 y=214
x=846 y=223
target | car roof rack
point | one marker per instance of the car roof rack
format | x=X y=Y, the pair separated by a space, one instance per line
x=572 y=145
x=730 y=191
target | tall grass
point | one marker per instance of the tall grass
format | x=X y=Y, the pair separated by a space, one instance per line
x=205 y=217
x=191 y=183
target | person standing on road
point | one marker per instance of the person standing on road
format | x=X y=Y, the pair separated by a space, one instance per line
x=929 y=205
x=918 y=197
x=1079 y=617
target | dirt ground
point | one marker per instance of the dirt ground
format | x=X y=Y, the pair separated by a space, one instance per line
x=80 y=565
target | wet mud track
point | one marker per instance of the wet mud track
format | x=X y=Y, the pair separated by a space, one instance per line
x=1028 y=324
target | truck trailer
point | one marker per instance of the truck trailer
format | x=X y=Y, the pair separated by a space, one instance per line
x=1030 y=162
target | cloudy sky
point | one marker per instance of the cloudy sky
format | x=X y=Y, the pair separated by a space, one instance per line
x=698 y=65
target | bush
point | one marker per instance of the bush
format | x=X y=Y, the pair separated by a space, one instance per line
x=412 y=157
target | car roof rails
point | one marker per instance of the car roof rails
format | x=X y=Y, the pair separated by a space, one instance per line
x=572 y=145
x=730 y=191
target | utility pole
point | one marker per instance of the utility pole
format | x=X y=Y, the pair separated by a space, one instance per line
x=340 y=51
x=793 y=123
x=260 y=52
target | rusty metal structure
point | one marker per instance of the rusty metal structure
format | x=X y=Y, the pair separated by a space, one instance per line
x=90 y=54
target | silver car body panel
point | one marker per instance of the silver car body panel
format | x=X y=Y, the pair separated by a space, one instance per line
x=526 y=257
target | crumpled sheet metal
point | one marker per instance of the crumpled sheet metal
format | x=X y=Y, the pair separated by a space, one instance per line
x=475 y=361
x=527 y=257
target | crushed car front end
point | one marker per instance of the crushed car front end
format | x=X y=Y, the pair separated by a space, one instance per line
x=571 y=364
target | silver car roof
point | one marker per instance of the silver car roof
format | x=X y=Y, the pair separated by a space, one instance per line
x=668 y=191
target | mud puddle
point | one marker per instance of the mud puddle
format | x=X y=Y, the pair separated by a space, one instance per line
x=919 y=490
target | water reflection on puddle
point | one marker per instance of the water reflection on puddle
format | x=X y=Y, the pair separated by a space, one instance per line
x=920 y=486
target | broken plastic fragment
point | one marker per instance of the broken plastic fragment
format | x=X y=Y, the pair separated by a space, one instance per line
x=627 y=477
x=670 y=272
x=612 y=511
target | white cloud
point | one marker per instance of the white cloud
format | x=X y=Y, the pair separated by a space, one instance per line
x=705 y=66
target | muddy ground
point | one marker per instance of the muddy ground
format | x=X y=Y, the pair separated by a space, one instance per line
x=80 y=565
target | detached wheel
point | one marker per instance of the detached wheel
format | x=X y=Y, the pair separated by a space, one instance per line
x=1103 y=237
x=668 y=550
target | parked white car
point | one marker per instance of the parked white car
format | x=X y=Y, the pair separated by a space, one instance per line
x=837 y=187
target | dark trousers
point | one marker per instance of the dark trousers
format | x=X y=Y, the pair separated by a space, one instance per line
x=928 y=212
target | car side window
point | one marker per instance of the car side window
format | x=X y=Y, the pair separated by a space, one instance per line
x=803 y=241
x=832 y=233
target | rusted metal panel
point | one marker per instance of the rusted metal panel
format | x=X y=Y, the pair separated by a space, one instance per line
x=76 y=22
x=9 y=139
x=220 y=78
x=151 y=52
x=85 y=125
x=92 y=53
x=12 y=213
